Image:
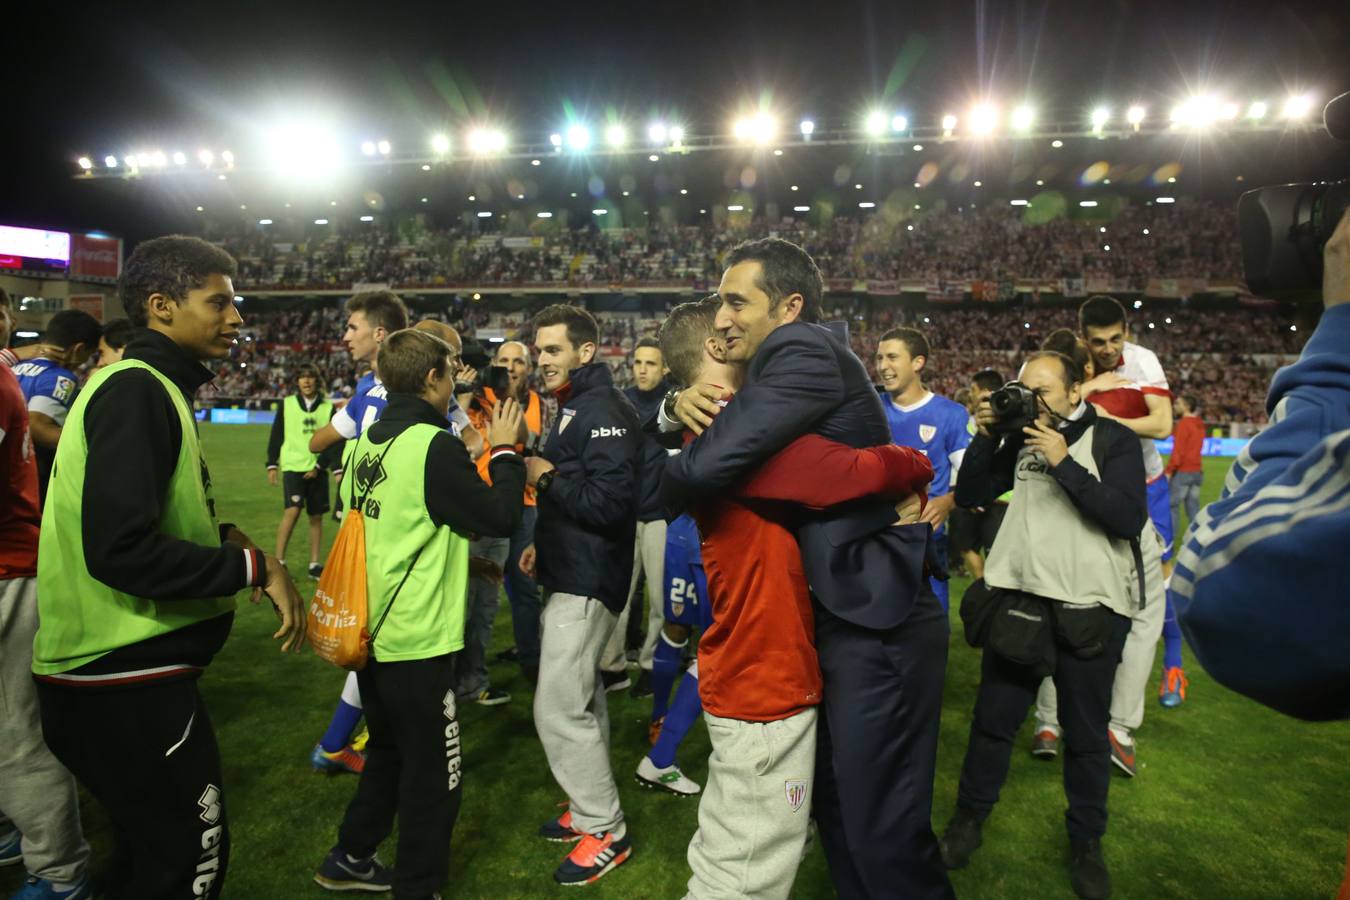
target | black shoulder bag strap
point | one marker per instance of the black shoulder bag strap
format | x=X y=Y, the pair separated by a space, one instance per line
x=1099 y=457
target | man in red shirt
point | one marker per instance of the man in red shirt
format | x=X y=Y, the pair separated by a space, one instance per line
x=1184 y=472
x=37 y=794
x=759 y=678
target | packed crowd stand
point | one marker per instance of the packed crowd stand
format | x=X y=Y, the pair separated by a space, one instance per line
x=1187 y=239
x=1225 y=358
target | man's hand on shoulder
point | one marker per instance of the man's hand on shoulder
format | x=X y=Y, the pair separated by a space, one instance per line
x=698 y=405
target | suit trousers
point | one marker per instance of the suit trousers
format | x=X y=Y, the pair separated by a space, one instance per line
x=877 y=750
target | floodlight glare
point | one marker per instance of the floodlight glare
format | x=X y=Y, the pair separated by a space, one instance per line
x=368 y=148
x=1023 y=118
x=759 y=128
x=1298 y=106
x=875 y=123
x=1100 y=116
x=1135 y=115
x=384 y=148
x=157 y=159
x=110 y=161
x=86 y=163
x=616 y=135
x=657 y=132
x=555 y=139
x=227 y=157
x=1257 y=110
x=676 y=134
x=440 y=143
x=131 y=160
x=899 y=123
x=983 y=119
x=179 y=158
x=206 y=157
x=808 y=127
x=948 y=122
x=1229 y=111
x=578 y=137
x=367 y=218
x=483 y=141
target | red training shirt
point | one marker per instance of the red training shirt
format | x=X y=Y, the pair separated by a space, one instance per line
x=1188 y=437
x=20 y=514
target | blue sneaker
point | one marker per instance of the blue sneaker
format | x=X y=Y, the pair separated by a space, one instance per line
x=340 y=873
x=41 y=889
x=594 y=857
x=11 y=849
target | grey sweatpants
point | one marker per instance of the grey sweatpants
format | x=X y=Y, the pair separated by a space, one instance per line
x=570 y=710
x=649 y=560
x=1135 y=671
x=37 y=794
x=754 y=813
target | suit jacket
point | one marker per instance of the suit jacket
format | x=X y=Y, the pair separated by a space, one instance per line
x=803 y=380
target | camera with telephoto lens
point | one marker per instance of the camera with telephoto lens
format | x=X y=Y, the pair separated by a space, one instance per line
x=1015 y=407
x=1284 y=227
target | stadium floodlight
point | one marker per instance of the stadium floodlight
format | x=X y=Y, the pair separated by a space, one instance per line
x=735 y=207
x=384 y=147
x=875 y=123
x=556 y=140
x=657 y=133
x=918 y=148
x=440 y=144
x=1023 y=118
x=578 y=137
x=599 y=212
x=484 y=214
x=367 y=218
x=485 y=141
x=801 y=209
x=206 y=157
x=979 y=184
x=544 y=215
x=320 y=221
x=264 y=221
x=157 y=160
x=1257 y=110
x=676 y=134
x=793 y=188
x=179 y=158
x=866 y=204
x=1017 y=203
x=227 y=157
x=616 y=135
x=1087 y=204
x=1135 y=115
x=948 y=123
x=1056 y=143
x=1229 y=111
x=899 y=123
x=983 y=119
x=86 y=163
x=302 y=150
x=426 y=167
x=131 y=160
x=759 y=128
x=368 y=148
x=654 y=158
x=1298 y=106
x=808 y=128
x=110 y=161
x=1100 y=116
x=1166 y=200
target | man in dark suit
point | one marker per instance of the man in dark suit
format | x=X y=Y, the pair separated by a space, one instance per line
x=881 y=634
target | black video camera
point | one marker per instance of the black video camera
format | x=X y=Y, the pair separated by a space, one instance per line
x=1015 y=407
x=495 y=378
x=1284 y=227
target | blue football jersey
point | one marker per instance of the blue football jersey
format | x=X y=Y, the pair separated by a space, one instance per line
x=686 y=601
x=938 y=427
x=49 y=389
x=365 y=408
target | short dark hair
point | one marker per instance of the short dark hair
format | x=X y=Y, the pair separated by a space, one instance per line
x=308 y=370
x=581 y=326
x=683 y=334
x=407 y=356
x=1192 y=402
x=786 y=269
x=383 y=309
x=118 y=333
x=1065 y=342
x=70 y=327
x=988 y=380
x=912 y=338
x=1100 y=311
x=172 y=266
x=1073 y=373
x=648 y=342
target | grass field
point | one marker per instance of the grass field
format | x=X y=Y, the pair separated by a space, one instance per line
x=1231 y=801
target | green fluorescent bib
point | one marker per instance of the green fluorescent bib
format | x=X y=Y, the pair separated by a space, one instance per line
x=300 y=427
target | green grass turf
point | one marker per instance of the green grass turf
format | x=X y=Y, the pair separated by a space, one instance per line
x=1231 y=801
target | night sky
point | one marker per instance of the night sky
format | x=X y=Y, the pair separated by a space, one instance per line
x=94 y=79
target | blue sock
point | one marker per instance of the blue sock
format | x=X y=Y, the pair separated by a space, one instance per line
x=1171 y=637
x=666 y=664
x=340 y=729
x=684 y=712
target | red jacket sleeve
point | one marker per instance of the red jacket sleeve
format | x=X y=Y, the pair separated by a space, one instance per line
x=818 y=472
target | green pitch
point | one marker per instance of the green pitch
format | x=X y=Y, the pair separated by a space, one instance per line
x=1231 y=801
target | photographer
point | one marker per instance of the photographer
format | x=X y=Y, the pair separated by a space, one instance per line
x=1060 y=602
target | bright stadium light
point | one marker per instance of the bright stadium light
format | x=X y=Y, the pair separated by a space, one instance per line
x=206 y=157
x=735 y=207
x=875 y=123
x=264 y=221
x=616 y=135
x=179 y=158
x=948 y=123
x=1166 y=200
x=1135 y=116
x=440 y=144
x=676 y=134
x=368 y=148
x=918 y=148
x=367 y=218
x=544 y=215
x=1298 y=106
x=384 y=147
x=808 y=128
x=866 y=204
x=302 y=150
x=1087 y=204
x=1257 y=110
x=110 y=161
x=131 y=161
x=227 y=157
x=759 y=128
x=983 y=119
x=1229 y=111
x=599 y=212
x=86 y=163
x=1100 y=116
x=556 y=140
x=899 y=123
x=320 y=221
x=485 y=141
x=1017 y=203
x=485 y=215
x=1023 y=118
x=578 y=137
x=657 y=133
x=157 y=160
x=801 y=209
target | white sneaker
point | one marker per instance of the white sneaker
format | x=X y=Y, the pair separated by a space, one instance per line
x=668 y=779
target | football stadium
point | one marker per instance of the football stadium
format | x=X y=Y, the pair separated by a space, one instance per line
x=750 y=452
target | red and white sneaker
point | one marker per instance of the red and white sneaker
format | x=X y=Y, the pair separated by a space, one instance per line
x=591 y=859
x=560 y=830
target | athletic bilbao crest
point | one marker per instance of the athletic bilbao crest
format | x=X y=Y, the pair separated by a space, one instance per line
x=566 y=419
x=369 y=473
x=927 y=432
x=796 y=794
